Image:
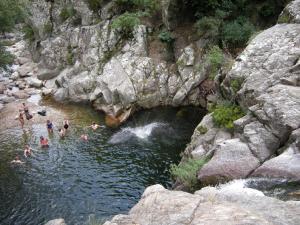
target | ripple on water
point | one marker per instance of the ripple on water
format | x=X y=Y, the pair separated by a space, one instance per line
x=74 y=179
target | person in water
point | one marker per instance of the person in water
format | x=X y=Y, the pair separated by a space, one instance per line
x=17 y=160
x=27 y=151
x=49 y=126
x=21 y=118
x=26 y=111
x=44 y=142
x=84 y=137
x=61 y=133
x=94 y=126
x=66 y=124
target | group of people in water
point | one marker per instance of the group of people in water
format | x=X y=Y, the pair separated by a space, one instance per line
x=44 y=142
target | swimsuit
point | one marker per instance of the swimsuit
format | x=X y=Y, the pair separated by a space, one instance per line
x=49 y=126
x=66 y=126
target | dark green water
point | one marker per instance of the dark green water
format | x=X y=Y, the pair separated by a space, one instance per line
x=103 y=177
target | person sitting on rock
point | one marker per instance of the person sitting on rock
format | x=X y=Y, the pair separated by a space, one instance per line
x=61 y=133
x=21 y=118
x=49 y=126
x=44 y=142
x=17 y=160
x=26 y=111
x=27 y=151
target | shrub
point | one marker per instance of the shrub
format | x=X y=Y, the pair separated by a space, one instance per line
x=5 y=57
x=94 y=5
x=70 y=56
x=208 y=27
x=28 y=32
x=77 y=21
x=186 y=172
x=202 y=129
x=67 y=12
x=126 y=23
x=47 y=28
x=236 y=33
x=224 y=115
x=284 y=18
x=215 y=58
x=148 y=6
x=236 y=84
x=165 y=37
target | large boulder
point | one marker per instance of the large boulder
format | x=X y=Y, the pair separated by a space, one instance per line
x=232 y=160
x=291 y=13
x=25 y=69
x=209 y=206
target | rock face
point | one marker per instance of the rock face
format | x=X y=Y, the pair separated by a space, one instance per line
x=91 y=62
x=159 y=206
x=268 y=73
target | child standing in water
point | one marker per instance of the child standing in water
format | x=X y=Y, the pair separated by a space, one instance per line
x=21 y=118
x=49 y=126
x=27 y=151
x=44 y=142
x=61 y=133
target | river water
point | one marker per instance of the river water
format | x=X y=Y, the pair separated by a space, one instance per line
x=105 y=176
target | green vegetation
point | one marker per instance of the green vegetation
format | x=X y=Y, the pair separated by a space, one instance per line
x=165 y=37
x=94 y=5
x=284 y=18
x=215 y=58
x=47 y=28
x=208 y=27
x=5 y=57
x=126 y=23
x=236 y=33
x=224 y=115
x=70 y=56
x=11 y=12
x=236 y=84
x=67 y=12
x=202 y=129
x=186 y=172
x=28 y=32
x=147 y=6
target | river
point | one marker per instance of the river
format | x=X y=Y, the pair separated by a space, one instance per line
x=80 y=180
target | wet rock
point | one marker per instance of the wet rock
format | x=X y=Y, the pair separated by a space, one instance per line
x=208 y=206
x=232 y=160
x=56 y=222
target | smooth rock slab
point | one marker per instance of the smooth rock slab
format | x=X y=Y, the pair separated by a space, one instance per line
x=232 y=160
x=286 y=165
x=209 y=206
x=21 y=94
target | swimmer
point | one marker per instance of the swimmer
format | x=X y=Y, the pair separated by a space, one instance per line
x=61 y=133
x=94 y=126
x=84 y=137
x=44 y=142
x=26 y=112
x=27 y=151
x=17 y=160
x=66 y=124
x=49 y=126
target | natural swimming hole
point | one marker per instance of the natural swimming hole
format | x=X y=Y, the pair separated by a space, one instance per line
x=102 y=177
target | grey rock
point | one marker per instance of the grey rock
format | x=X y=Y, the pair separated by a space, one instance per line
x=6 y=99
x=25 y=69
x=292 y=12
x=208 y=206
x=56 y=222
x=2 y=88
x=34 y=82
x=21 y=94
x=232 y=160
x=286 y=165
x=47 y=74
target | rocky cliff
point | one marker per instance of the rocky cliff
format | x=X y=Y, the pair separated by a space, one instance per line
x=91 y=62
x=266 y=141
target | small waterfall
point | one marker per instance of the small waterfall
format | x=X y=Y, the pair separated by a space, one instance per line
x=141 y=132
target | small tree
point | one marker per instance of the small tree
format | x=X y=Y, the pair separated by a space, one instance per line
x=126 y=23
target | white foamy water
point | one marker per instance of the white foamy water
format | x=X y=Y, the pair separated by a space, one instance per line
x=141 y=132
x=239 y=187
